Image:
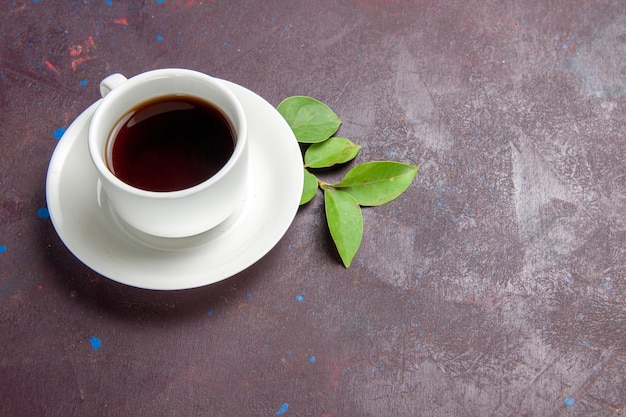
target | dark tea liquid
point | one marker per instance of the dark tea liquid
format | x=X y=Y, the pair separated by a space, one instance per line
x=170 y=143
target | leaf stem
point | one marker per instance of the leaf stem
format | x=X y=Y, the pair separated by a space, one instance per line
x=323 y=184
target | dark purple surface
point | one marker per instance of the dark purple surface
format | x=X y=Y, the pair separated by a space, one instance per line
x=495 y=286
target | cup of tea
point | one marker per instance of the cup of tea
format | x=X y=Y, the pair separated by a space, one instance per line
x=171 y=150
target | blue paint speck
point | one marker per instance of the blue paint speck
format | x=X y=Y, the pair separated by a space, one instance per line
x=312 y=359
x=43 y=213
x=83 y=83
x=95 y=342
x=159 y=38
x=3 y=248
x=58 y=133
x=569 y=401
x=565 y=46
x=299 y=298
x=392 y=153
x=109 y=2
x=283 y=409
x=159 y=1
x=210 y=313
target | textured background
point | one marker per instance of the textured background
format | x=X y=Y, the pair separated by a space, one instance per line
x=495 y=286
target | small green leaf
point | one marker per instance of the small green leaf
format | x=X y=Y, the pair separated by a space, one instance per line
x=377 y=183
x=345 y=222
x=310 y=187
x=330 y=152
x=310 y=120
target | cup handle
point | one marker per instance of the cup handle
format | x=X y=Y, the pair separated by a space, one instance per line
x=110 y=82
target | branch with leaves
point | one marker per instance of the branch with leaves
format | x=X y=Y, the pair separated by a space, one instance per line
x=368 y=184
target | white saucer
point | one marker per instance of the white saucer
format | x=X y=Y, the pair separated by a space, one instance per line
x=92 y=232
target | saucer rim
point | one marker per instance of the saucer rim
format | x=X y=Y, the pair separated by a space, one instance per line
x=81 y=244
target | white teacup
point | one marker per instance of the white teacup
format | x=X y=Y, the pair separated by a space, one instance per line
x=175 y=213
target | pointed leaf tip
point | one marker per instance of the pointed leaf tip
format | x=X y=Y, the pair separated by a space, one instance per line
x=345 y=222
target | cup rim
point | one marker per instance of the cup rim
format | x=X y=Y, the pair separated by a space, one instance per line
x=97 y=154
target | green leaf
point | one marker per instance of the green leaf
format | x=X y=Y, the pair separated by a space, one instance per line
x=310 y=187
x=310 y=120
x=377 y=183
x=345 y=222
x=330 y=152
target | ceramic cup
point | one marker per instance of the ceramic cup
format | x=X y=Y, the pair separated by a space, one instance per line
x=183 y=212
